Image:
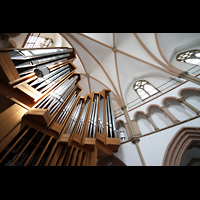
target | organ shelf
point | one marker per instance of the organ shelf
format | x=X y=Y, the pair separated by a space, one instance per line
x=44 y=120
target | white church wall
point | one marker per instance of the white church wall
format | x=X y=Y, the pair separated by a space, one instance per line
x=128 y=153
x=180 y=111
x=156 y=79
x=159 y=117
x=153 y=146
x=158 y=100
x=192 y=97
x=19 y=40
x=144 y=125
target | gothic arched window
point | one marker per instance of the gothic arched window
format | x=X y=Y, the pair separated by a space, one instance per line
x=144 y=89
x=36 y=41
x=191 y=57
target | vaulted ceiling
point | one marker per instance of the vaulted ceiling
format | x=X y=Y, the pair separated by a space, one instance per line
x=116 y=60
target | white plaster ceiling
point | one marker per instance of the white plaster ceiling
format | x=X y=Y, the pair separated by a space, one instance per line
x=132 y=61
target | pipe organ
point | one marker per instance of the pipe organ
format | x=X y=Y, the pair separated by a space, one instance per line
x=44 y=120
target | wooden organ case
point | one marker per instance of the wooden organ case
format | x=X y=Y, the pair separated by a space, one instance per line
x=44 y=121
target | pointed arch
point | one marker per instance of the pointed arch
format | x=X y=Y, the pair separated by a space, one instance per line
x=110 y=161
x=116 y=91
x=178 y=145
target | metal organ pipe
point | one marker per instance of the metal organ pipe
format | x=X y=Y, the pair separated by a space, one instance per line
x=110 y=118
x=90 y=119
x=95 y=117
x=82 y=119
x=66 y=109
x=29 y=61
x=113 y=117
x=100 y=122
x=49 y=75
x=74 y=118
x=58 y=95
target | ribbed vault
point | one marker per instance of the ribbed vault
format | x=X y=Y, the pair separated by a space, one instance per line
x=116 y=60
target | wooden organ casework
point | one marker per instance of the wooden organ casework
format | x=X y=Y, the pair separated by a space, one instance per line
x=44 y=121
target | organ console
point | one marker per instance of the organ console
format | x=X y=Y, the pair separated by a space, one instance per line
x=44 y=120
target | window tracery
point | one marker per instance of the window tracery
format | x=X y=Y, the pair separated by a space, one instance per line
x=144 y=89
x=38 y=42
x=191 y=57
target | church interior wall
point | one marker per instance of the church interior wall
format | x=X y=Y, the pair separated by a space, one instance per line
x=149 y=116
x=153 y=146
x=128 y=154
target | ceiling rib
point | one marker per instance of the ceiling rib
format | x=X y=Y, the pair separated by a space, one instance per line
x=161 y=53
x=116 y=67
x=152 y=55
x=113 y=40
x=119 y=50
x=101 y=83
x=160 y=68
x=79 y=59
x=95 y=40
x=78 y=42
x=89 y=84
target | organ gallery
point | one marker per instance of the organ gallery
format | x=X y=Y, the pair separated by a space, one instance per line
x=99 y=99
x=45 y=121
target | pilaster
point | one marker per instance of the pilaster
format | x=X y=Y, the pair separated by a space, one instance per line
x=128 y=120
x=152 y=122
x=170 y=115
x=189 y=77
x=182 y=100
x=135 y=138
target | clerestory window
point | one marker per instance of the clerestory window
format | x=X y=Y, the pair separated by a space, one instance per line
x=36 y=41
x=191 y=57
x=144 y=89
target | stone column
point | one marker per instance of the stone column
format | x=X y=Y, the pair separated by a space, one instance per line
x=189 y=77
x=128 y=120
x=136 y=127
x=135 y=137
x=152 y=122
x=140 y=153
x=170 y=115
x=182 y=100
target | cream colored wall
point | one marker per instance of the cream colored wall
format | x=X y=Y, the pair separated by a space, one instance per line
x=158 y=100
x=153 y=146
x=128 y=154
